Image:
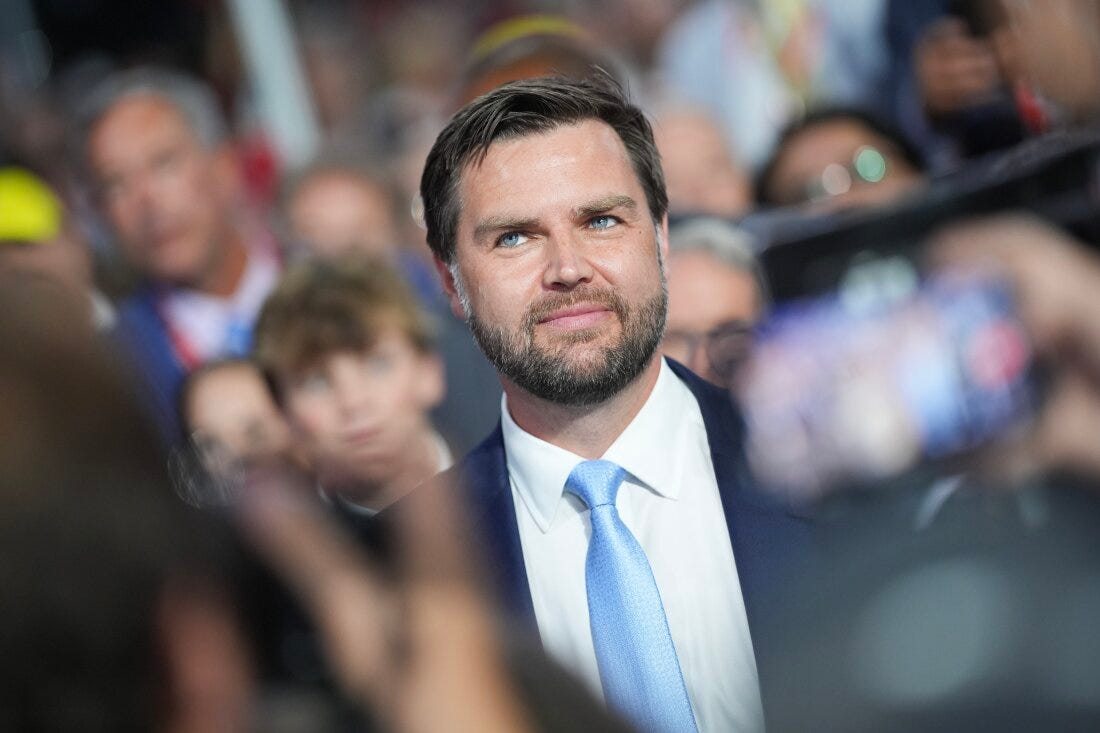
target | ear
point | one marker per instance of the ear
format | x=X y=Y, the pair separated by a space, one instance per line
x=431 y=387
x=449 y=288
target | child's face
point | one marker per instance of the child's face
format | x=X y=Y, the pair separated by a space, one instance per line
x=357 y=412
x=232 y=415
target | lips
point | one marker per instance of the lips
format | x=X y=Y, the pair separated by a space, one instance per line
x=360 y=436
x=164 y=235
x=582 y=315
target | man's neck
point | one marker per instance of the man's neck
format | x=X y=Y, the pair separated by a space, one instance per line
x=223 y=277
x=586 y=431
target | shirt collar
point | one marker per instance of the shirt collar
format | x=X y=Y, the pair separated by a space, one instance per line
x=649 y=449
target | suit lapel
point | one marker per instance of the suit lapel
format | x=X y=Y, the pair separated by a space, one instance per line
x=493 y=512
x=765 y=537
x=141 y=332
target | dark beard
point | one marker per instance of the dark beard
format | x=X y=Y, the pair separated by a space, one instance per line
x=551 y=375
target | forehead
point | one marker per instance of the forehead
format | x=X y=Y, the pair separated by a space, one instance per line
x=536 y=174
x=689 y=127
x=704 y=290
x=134 y=120
x=227 y=379
x=343 y=185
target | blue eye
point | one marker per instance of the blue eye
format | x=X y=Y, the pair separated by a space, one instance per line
x=603 y=221
x=512 y=239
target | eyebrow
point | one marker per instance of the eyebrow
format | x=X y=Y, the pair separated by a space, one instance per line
x=509 y=223
x=502 y=223
x=605 y=204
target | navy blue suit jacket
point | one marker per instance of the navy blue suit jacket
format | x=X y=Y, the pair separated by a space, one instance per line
x=766 y=538
x=142 y=335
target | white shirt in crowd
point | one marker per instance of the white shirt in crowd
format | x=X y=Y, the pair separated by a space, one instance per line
x=214 y=327
x=671 y=504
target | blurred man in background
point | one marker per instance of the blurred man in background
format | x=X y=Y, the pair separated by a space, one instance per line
x=334 y=209
x=156 y=149
x=702 y=173
x=716 y=292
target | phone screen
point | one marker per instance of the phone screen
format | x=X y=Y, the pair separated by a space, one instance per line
x=843 y=390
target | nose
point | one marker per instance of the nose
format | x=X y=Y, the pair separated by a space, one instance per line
x=566 y=264
x=142 y=199
x=353 y=398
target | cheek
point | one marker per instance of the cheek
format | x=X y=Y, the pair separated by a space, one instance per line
x=310 y=418
x=207 y=423
x=125 y=218
x=409 y=394
x=637 y=278
x=677 y=349
x=488 y=275
x=194 y=193
x=403 y=403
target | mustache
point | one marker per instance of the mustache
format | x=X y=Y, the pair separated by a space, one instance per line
x=544 y=307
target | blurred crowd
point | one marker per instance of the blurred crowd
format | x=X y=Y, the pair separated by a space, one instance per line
x=203 y=335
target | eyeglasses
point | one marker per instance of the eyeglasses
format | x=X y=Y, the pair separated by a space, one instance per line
x=868 y=166
x=726 y=345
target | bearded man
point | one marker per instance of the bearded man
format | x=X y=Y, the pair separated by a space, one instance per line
x=613 y=497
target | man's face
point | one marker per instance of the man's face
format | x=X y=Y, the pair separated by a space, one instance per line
x=334 y=213
x=700 y=171
x=709 y=303
x=357 y=413
x=557 y=264
x=167 y=197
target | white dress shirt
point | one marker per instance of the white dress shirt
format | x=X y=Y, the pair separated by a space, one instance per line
x=207 y=323
x=670 y=502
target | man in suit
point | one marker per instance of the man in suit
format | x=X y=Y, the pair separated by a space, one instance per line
x=545 y=208
x=166 y=179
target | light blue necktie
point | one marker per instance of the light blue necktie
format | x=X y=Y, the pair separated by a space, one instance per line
x=638 y=666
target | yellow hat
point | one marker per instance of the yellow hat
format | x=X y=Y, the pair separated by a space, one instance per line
x=29 y=210
x=523 y=26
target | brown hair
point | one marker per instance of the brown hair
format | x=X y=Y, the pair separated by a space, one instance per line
x=91 y=533
x=524 y=108
x=324 y=306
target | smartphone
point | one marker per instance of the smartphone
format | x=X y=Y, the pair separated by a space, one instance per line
x=866 y=383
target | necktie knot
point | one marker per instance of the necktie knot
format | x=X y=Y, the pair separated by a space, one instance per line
x=595 y=482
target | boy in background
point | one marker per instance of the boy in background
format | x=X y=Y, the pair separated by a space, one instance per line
x=348 y=355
